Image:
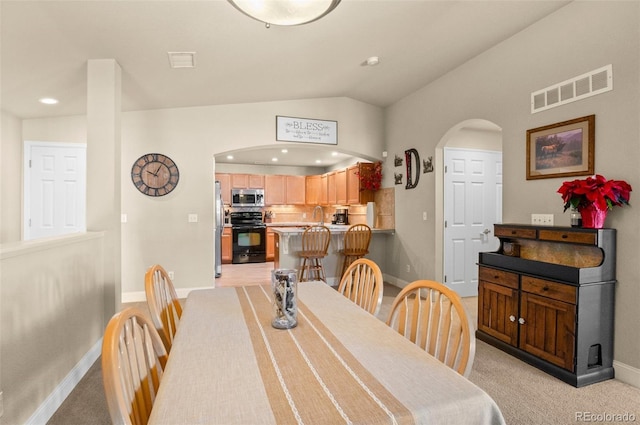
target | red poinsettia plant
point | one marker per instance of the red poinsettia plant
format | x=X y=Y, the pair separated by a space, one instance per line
x=371 y=179
x=597 y=191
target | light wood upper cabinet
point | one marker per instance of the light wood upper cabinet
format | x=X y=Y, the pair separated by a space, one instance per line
x=275 y=189
x=323 y=189
x=312 y=189
x=247 y=181
x=331 y=188
x=354 y=194
x=295 y=193
x=225 y=186
x=341 y=186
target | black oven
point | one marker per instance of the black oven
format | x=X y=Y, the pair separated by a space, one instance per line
x=249 y=235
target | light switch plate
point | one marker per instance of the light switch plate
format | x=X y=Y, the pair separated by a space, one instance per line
x=193 y=218
x=542 y=219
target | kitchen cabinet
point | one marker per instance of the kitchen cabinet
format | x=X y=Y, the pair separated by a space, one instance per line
x=341 y=187
x=270 y=244
x=227 y=246
x=547 y=297
x=295 y=190
x=284 y=190
x=225 y=187
x=274 y=189
x=247 y=181
x=355 y=194
x=331 y=188
x=312 y=190
x=323 y=189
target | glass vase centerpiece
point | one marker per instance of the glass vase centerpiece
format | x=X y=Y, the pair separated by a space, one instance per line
x=285 y=305
x=593 y=197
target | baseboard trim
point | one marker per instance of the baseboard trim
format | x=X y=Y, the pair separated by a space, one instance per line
x=627 y=374
x=53 y=402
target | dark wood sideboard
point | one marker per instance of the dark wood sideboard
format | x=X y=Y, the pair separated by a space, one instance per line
x=547 y=297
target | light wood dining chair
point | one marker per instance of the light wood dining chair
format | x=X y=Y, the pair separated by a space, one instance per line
x=133 y=361
x=432 y=316
x=163 y=302
x=362 y=283
x=315 y=243
x=356 y=244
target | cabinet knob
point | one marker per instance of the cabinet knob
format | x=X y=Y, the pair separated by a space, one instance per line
x=512 y=318
x=521 y=321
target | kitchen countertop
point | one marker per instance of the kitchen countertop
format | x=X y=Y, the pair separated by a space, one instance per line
x=335 y=228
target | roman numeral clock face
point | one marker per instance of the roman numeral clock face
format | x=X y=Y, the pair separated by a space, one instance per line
x=155 y=174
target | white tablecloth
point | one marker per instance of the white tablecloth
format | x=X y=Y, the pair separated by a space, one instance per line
x=228 y=365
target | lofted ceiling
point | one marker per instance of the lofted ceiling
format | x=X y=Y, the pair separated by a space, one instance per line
x=45 y=46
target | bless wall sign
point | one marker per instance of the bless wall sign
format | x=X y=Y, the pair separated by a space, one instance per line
x=289 y=129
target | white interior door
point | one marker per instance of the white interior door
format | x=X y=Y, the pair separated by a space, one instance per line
x=55 y=189
x=472 y=204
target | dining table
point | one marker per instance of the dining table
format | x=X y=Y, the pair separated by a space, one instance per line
x=340 y=364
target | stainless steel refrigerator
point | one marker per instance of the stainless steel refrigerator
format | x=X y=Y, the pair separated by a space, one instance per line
x=219 y=227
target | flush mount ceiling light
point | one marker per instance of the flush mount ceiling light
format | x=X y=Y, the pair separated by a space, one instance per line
x=48 y=100
x=182 y=59
x=285 y=12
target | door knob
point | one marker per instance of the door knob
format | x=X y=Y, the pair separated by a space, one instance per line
x=486 y=231
x=512 y=318
x=521 y=321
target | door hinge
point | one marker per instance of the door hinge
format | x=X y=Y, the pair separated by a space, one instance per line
x=29 y=163
x=445 y=223
x=445 y=169
x=29 y=222
x=445 y=278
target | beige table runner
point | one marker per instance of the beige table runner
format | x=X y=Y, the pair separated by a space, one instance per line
x=308 y=374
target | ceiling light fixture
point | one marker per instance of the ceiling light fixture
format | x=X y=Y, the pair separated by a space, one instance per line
x=229 y=156
x=48 y=100
x=274 y=159
x=285 y=12
x=284 y=151
x=371 y=61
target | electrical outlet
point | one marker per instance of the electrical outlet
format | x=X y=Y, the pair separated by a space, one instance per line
x=123 y=218
x=193 y=218
x=542 y=219
x=171 y=275
x=408 y=268
x=424 y=215
x=1 y=404
x=304 y=215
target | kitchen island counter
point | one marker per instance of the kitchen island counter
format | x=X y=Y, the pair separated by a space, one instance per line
x=288 y=243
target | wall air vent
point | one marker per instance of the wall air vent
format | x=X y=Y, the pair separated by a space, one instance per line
x=580 y=87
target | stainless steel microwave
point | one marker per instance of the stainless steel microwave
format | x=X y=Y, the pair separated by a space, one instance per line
x=247 y=197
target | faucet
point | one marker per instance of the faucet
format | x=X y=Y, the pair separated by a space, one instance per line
x=315 y=209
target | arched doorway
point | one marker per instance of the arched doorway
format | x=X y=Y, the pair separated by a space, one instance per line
x=469 y=199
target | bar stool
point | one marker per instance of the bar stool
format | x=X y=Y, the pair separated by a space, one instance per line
x=315 y=243
x=356 y=244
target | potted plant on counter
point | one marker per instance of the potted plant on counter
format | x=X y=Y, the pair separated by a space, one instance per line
x=593 y=197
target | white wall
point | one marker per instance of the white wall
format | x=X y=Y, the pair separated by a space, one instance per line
x=10 y=186
x=496 y=86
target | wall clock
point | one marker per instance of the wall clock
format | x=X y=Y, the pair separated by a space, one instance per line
x=155 y=174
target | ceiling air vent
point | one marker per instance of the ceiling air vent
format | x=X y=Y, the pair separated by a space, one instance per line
x=182 y=59
x=580 y=87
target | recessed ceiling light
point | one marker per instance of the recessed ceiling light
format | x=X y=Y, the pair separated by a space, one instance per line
x=371 y=61
x=48 y=100
x=334 y=153
x=318 y=161
x=229 y=156
x=274 y=159
x=284 y=151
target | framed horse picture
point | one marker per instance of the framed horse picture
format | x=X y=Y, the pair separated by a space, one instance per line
x=562 y=149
